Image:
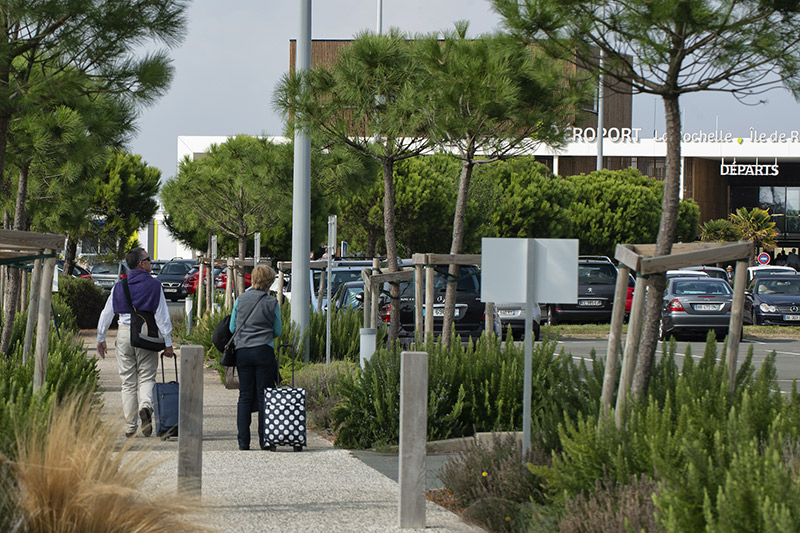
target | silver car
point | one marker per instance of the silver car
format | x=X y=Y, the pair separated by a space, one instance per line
x=696 y=305
x=106 y=275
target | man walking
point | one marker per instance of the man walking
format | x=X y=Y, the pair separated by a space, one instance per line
x=137 y=366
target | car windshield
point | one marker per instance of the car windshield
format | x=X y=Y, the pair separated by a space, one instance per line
x=468 y=281
x=337 y=278
x=175 y=268
x=778 y=286
x=704 y=287
x=104 y=268
x=600 y=274
x=350 y=296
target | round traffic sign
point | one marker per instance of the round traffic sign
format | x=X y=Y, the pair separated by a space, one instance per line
x=763 y=258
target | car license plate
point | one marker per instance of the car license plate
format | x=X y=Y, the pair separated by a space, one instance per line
x=170 y=290
x=506 y=312
x=791 y=317
x=439 y=311
x=707 y=307
x=590 y=303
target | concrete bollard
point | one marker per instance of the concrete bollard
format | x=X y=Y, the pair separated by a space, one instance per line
x=367 y=347
x=190 y=420
x=188 y=306
x=413 y=438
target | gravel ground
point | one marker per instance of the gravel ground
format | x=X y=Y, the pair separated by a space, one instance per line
x=322 y=488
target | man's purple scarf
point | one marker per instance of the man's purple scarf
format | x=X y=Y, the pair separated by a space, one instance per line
x=145 y=292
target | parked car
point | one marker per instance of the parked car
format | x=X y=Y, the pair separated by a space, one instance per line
x=349 y=295
x=773 y=299
x=221 y=278
x=469 y=312
x=105 y=275
x=714 y=272
x=171 y=277
x=513 y=316
x=762 y=270
x=597 y=279
x=189 y=284
x=156 y=265
x=77 y=270
x=696 y=305
x=341 y=272
x=671 y=274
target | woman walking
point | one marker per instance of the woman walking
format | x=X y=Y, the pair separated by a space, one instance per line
x=257 y=319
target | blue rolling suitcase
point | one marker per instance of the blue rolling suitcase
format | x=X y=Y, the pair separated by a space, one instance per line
x=285 y=414
x=165 y=404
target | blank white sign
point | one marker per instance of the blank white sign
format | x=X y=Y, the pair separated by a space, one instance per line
x=514 y=271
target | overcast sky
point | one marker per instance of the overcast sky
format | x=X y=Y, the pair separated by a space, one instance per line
x=236 y=51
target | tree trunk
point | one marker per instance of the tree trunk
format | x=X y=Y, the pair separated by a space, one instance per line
x=69 y=255
x=12 y=286
x=391 y=244
x=666 y=237
x=455 y=248
x=240 y=271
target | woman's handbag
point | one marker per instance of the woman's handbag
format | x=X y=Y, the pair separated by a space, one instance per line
x=231 y=378
x=228 y=355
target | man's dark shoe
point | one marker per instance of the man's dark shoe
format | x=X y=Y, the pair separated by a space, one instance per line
x=146 y=415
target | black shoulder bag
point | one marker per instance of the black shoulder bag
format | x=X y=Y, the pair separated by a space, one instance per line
x=144 y=330
x=229 y=350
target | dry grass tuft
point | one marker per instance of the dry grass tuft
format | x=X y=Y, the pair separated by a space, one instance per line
x=76 y=477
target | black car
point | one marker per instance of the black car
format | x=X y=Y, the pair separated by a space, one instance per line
x=469 y=313
x=171 y=277
x=349 y=295
x=773 y=299
x=597 y=279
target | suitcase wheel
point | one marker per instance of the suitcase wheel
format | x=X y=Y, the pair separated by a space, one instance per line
x=298 y=448
x=270 y=447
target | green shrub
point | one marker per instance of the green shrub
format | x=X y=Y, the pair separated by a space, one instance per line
x=477 y=387
x=68 y=371
x=710 y=452
x=345 y=334
x=64 y=317
x=83 y=298
x=320 y=382
x=609 y=507
x=492 y=483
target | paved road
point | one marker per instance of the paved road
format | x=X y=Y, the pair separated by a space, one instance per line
x=787 y=352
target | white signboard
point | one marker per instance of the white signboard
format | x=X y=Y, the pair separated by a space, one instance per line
x=542 y=270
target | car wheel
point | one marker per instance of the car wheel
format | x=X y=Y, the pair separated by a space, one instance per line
x=552 y=315
x=536 y=329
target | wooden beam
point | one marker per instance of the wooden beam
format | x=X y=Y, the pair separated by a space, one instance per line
x=651 y=265
x=451 y=259
x=639 y=256
x=28 y=240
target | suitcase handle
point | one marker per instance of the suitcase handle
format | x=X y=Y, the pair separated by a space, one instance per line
x=174 y=360
x=294 y=356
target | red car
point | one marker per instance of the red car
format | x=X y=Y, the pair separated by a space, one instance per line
x=221 y=280
x=190 y=280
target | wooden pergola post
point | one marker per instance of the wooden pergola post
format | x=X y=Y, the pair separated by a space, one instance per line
x=33 y=309
x=641 y=259
x=43 y=327
x=615 y=337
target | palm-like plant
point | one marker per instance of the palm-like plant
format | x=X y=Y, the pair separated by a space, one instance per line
x=755 y=225
x=719 y=229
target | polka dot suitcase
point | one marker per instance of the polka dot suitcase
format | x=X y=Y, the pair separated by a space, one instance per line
x=285 y=414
